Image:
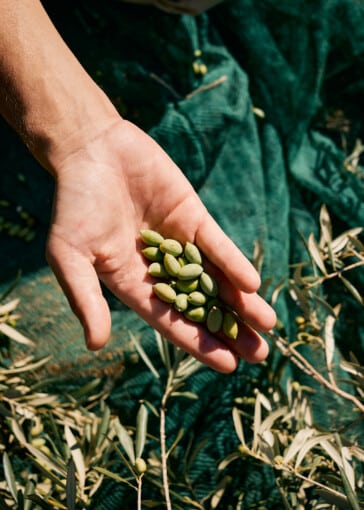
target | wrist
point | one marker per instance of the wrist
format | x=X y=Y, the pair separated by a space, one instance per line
x=45 y=93
x=68 y=120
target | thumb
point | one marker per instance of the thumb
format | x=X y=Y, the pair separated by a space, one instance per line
x=78 y=279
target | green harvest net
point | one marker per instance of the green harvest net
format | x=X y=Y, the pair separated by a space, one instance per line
x=263 y=179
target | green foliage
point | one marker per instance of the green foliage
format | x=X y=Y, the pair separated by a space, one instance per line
x=58 y=451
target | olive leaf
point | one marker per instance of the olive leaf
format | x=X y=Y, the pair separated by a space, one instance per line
x=298 y=441
x=163 y=348
x=219 y=492
x=9 y=307
x=238 y=425
x=144 y=356
x=104 y=426
x=77 y=458
x=71 y=486
x=40 y=502
x=315 y=253
x=114 y=476
x=141 y=430
x=352 y=289
x=125 y=440
x=15 y=335
x=9 y=476
x=329 y=341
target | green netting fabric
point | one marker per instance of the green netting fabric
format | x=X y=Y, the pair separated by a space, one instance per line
x=261 y=178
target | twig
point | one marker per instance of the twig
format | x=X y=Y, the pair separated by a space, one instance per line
x=162 y=433
x=209 y=86
x=299 y=360
x=166 y=85
x=336 y=273
x=139 y=504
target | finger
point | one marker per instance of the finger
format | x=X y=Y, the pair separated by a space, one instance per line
x=136 y=291
x=251 y=307
x=191 y=337
x=249 y=345
x=218 y=352
x=80 y=283
x=223 y=252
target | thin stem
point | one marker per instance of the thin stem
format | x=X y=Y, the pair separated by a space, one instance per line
x=303 y=364
x=163 y=450
x=329 y=276
x=314 y=482
x=162 y=433
x=140 y=483
x=209 y=86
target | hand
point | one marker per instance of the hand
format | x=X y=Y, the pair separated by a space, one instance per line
x=107 y=190
x=112 y=180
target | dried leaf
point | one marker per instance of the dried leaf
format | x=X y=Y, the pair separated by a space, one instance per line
x=315 y=254
x=347 y=466
x=141 y=430
x=28 y=368
x=46 y=461
x=228 y=460
x=9 y=307
x=357 y=452
x=257 y=421
x=77 y=457
x=352 y=368
x=298 y=441
x=17 y=431
x=267 y=445
x=329 y=341
x=13 y=334
x=353 y=290
x=277 y=290
x=340 y=241
x=238 y=425
x=332 y=452
x=186 y=394
x=357 y=244
x=258 y=256
x=311 y=443
x=268 y=422
x=326 y=227
x=219 y=492
x=300 y=299
x=39 y=400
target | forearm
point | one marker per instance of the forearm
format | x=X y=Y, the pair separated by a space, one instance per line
x=45 y=94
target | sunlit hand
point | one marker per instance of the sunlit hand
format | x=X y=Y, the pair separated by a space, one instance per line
x=106 y=192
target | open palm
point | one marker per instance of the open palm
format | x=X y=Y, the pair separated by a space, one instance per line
x=106 y=192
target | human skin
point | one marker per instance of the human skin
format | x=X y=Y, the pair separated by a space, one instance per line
x=112 y=180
